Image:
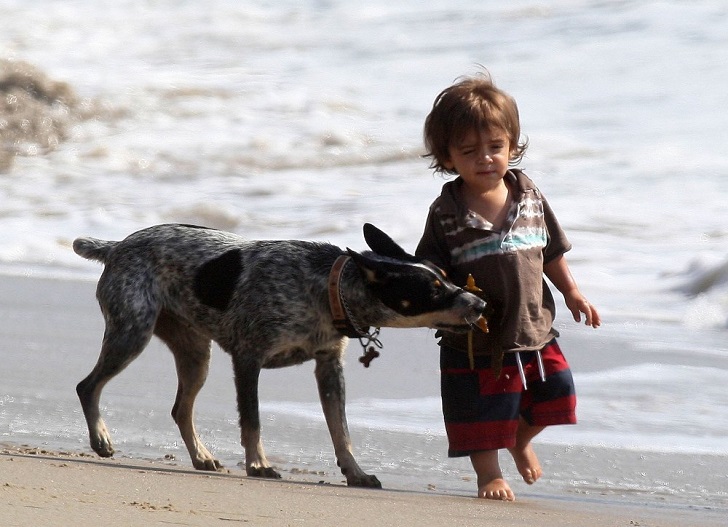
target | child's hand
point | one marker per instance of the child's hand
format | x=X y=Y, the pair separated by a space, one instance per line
x=557 y=270
x=577 y=304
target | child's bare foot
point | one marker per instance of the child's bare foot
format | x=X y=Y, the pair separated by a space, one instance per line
x=491 y=485
x=496 y=489
x=527 y=463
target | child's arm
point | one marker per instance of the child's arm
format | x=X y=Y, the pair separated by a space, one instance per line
x=558 y=272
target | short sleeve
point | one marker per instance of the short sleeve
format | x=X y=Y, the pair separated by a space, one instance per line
x=557 y=243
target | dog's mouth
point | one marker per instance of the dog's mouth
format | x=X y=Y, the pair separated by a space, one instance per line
x=454 y=328
x=481 y=323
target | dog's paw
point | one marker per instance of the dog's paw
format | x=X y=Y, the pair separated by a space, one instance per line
x=263 y=472
x=105 y=452
x=103 y=447
x=100 y=439
x=211 y=464
x=365 y=480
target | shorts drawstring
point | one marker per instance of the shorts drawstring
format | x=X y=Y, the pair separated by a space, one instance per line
x=522 y=373
x=541 y=369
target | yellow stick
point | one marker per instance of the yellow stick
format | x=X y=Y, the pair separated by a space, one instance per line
x=472 y=288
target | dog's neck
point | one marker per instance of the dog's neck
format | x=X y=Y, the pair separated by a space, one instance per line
x=344 y=321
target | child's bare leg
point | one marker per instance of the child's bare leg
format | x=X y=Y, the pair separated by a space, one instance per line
x=523 y=454
x=491 y=484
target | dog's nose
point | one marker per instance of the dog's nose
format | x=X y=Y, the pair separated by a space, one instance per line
x=478 y=303
x=481 y=305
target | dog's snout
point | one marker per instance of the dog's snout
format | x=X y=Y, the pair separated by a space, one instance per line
x=481 y=305
x=476 y=303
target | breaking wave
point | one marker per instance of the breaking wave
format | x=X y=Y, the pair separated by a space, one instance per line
x=705 y=283
x=36 y=112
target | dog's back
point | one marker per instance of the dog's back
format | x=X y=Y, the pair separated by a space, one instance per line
x=170 y=238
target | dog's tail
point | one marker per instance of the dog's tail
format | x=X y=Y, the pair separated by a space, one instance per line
x=92 y=248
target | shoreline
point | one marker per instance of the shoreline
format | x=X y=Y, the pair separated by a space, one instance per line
x=42 y=487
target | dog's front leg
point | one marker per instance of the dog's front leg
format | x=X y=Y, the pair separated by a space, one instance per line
x=330 y=379
x=247 y=372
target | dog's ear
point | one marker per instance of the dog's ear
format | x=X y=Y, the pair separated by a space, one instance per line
x=366 y=265
x=381 y=243
x=373 y=269
x=378 y=269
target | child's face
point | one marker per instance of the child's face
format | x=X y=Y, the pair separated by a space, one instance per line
x=481 y=158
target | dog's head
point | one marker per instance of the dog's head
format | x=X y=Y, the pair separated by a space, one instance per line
x=417 y=292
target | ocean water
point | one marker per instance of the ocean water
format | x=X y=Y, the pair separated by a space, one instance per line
x=303 y=119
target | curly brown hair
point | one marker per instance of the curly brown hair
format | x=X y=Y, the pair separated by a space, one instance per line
x=471 y=103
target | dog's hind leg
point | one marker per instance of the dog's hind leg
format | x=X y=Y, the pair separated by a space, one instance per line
x=123 y=342
x=247 y=373
x=191 y=352
x=330 y=378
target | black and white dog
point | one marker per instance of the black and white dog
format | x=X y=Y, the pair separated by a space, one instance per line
x=268 y=304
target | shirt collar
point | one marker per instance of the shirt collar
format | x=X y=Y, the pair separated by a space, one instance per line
x=451 y=203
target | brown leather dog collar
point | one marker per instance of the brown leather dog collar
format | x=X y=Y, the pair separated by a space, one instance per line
x=342 y=321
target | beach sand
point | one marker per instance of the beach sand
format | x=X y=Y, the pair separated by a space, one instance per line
x=46 y=485
x=41 y=488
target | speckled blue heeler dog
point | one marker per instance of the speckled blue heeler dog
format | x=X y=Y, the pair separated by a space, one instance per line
x=268 y=304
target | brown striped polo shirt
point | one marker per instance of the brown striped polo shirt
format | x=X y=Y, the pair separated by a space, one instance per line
x=507 y=264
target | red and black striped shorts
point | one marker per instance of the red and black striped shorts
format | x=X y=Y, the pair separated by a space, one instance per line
x=482 y=413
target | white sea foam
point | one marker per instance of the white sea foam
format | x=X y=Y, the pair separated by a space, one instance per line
x=219 y=117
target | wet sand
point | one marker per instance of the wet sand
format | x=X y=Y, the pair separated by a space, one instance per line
x=39 y=487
